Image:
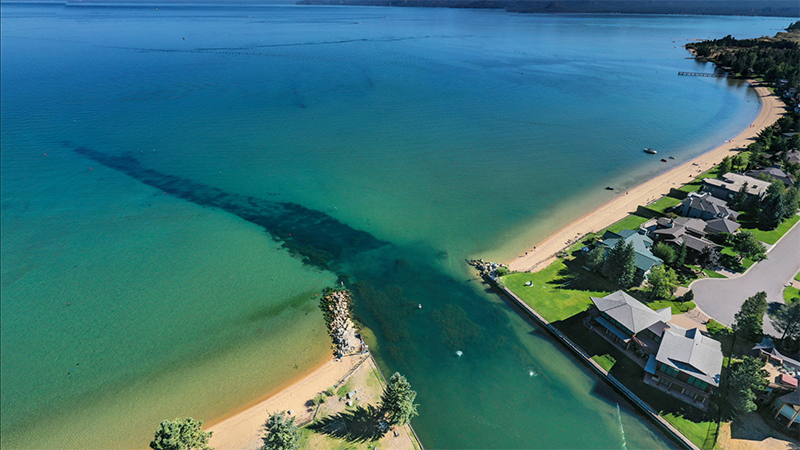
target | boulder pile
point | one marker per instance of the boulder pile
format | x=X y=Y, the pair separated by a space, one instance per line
x=336 y=306
x=486 y=267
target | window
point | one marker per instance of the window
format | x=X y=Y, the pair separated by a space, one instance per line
x=668 y=370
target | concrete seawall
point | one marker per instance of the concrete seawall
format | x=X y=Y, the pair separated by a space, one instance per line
x=646 y=409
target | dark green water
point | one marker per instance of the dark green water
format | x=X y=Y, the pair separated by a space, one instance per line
x=209 y=169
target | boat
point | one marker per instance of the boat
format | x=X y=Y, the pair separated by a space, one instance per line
x=650 y=151
x=663 y=160
x=609 y=188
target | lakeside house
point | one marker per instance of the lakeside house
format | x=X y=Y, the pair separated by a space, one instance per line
x=683 y=363
x=793 y=157
x=731 y=183
x=642 y=247
x=706 y=207
x=629 y=323
x=781 y=395
x=687 y=366
x=717 y=226
x=772 y=172
x=684 y=231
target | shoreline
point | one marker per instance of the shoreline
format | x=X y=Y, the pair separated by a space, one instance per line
x=544 y=253
x=242 y=428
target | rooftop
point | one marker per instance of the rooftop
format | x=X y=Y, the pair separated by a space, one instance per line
x=734 y=181
x=629 y=312
x=693 y=353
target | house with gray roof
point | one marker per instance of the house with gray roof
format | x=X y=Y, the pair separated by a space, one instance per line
x=793 y=157
x=687 y=366
x=642 y=247
x=717 y=226
x=629 y=323
x=772 y=172
x=731 y=183
x=705 y=206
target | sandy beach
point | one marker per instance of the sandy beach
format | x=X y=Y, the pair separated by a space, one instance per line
x=772 y=108
x=243 y=430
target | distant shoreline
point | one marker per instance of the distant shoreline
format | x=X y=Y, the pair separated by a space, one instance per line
x=765 y=8
x=543 y=253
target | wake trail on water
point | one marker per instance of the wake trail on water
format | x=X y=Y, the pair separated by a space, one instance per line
x=621 y=430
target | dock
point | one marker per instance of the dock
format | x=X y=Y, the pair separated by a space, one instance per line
x=702 y=74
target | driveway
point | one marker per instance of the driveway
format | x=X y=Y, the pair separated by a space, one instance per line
x=722 y=298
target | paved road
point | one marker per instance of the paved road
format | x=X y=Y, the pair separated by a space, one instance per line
x=721 y=298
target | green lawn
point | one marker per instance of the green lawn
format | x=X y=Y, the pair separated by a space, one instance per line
x=676 y=306
x=790 y=294
x=695 y=431
x=772 y=236
x=745 y=264
x=695 y=185
x=606 y=361
x=797 y=277
x=631 y=222
x=711 y=274
x=549 y=298
x=664 y=204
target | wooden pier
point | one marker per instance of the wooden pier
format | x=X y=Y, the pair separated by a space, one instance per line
x=703 y=74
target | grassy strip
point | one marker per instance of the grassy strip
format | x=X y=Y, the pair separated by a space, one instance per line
x=557 y=292
x=790 y=294
x=606 y=361
x=664 y=204
x=772 y=236
x=695 y=185
x=695 y=431
x=743 y=266
x=676 y=306
x=711 y=274
x=797 y=277
x=631 y=222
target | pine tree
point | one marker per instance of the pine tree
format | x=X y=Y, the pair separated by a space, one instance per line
x=786 y=319
x=282 y=433
x=620 y=263
x=746 y=377
x=181 y=434
x=397 y=400
x=749 y=321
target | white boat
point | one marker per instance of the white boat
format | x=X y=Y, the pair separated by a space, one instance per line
x=650 y=151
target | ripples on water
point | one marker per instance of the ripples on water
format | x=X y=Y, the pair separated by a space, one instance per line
x=207 y=172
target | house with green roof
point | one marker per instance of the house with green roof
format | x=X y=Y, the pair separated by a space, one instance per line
x=642 y=246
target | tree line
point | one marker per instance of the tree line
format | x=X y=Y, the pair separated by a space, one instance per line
x=771 y=58
x=281 y=432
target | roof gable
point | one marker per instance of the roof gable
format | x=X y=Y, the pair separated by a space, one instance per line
x=693 y=353
x=629 y=312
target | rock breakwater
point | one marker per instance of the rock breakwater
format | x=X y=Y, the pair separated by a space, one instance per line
x=335 y=306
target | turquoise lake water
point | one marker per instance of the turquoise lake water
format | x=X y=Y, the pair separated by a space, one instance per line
x=178 y=184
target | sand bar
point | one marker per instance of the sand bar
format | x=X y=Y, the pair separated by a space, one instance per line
x=772 y=108
x=243 y=430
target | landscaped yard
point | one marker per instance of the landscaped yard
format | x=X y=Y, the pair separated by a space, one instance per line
x=695 y=185
x=676 y=306
x=631 y=222
x=558 y=292
x=772 y=236
x=790 y=294
x=732 y=256
x=606 y=361
x=695 y=431
x=664 y=204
